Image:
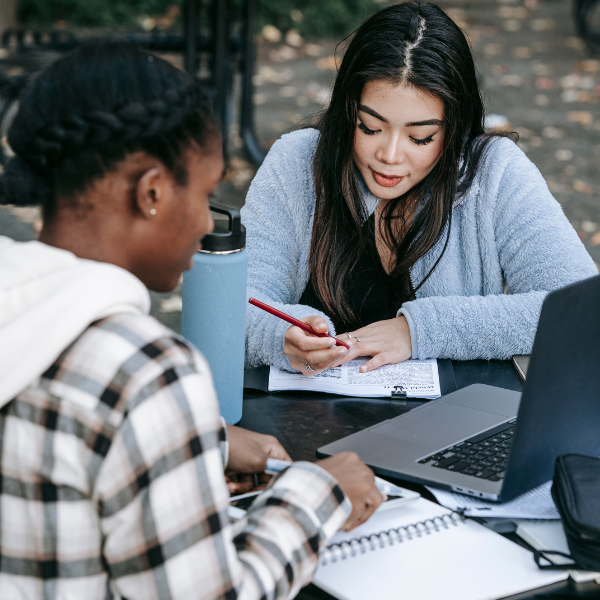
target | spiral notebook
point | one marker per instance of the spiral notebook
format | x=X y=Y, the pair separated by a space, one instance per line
x=422 y=551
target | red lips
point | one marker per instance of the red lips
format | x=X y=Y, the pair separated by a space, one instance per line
x=385 y=180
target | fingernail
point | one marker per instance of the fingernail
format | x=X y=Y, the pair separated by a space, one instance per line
x=343 y=351
x=363 y=369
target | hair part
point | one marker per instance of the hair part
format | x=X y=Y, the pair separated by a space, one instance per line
x=86 y=112
x=410 y=44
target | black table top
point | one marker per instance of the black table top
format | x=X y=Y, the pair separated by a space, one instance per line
x=305 y=421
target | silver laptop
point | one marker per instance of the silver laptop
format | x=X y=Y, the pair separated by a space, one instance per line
x=495 y=443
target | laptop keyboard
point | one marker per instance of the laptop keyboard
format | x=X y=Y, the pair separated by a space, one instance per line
x=482 y=456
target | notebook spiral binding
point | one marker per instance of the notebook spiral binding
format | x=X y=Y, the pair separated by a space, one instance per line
x=343 y=550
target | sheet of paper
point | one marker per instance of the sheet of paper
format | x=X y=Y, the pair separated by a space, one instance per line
x=418 y=378
x=535 y=504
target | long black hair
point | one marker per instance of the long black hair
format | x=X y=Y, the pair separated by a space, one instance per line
x=84 y=113
x=412 y=44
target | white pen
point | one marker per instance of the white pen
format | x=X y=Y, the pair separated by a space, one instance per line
x=275 y=466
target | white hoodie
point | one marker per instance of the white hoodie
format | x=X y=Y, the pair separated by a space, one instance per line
x=48 y=297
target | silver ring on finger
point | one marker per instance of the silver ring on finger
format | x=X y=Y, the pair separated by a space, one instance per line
x=309 y=368
x=349 y=336
x=357 y=338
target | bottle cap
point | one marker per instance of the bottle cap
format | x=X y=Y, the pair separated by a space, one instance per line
x=232 y=239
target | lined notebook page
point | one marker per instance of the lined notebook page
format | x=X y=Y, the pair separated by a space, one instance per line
x=460 y=561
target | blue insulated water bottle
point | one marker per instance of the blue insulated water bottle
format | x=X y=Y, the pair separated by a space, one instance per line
x=213 y=317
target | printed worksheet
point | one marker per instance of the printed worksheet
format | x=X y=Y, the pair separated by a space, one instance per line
x=412 y=379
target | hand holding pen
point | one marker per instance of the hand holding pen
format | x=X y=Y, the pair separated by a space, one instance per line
x=307 y=343
x=353 y=476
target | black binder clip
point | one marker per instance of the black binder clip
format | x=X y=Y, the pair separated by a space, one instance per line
x=398 y=393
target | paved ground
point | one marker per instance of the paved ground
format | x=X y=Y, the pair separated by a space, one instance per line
x=537 y=76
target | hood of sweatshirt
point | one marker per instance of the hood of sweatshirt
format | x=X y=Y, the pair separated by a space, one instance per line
x=48 y=297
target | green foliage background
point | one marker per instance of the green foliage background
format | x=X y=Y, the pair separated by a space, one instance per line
x=318 y=19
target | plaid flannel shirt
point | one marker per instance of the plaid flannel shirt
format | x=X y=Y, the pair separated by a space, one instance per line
x=112 y=482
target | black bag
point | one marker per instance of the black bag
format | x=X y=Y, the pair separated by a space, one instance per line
x=576 y=493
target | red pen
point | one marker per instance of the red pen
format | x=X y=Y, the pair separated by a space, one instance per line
x=295 y=322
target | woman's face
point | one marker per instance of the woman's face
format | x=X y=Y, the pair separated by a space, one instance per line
x=398 y=138
x=183 y=221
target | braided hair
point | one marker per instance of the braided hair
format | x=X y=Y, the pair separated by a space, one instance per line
x=87 y=111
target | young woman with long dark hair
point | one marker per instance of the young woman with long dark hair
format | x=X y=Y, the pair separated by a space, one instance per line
x=112 y=450
x=398 y=222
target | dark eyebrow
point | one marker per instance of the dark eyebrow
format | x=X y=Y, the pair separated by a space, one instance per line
x=370 y=111
x=423 y=123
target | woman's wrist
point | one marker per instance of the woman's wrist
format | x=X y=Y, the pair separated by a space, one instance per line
x=402 y=313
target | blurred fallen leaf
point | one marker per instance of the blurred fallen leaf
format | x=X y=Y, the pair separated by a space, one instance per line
x=583 y=117
x=268 y=73
x=563 y=155
x=260 y=99
x=589 y=226
x=512 y=25
x=513 y=12
x=542 y=100
x=575 y=43
x=541 y=24
x=582 y=187
x=571 y=81
x=331 y=63
x=539 y=68
x=511 y=80
x=283 y=54
x=522 y=52
x=538 y=46
x=318 y=93
x=492 y=49
x=524 y=133
x=293 y=38
x=569 y=96
x=552 y=133
x=239 y=172
x=588 y=66
x=288 y=91
x=555 y=187
x=499 y=70
x=544 y=83
x=595 y=239
x=586 y=97
x=494 y=122
x=271 y=34
x=313 y=49
x=147 y=23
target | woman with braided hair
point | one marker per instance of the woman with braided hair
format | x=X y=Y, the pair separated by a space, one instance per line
x=398 y=222
x=112 y=450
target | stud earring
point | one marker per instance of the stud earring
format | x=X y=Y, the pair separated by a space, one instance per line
x=152 y=211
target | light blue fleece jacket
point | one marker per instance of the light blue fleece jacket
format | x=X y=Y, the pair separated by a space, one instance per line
x=507 y=229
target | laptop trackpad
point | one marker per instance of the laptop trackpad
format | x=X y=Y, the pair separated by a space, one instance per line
x=423 y=431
